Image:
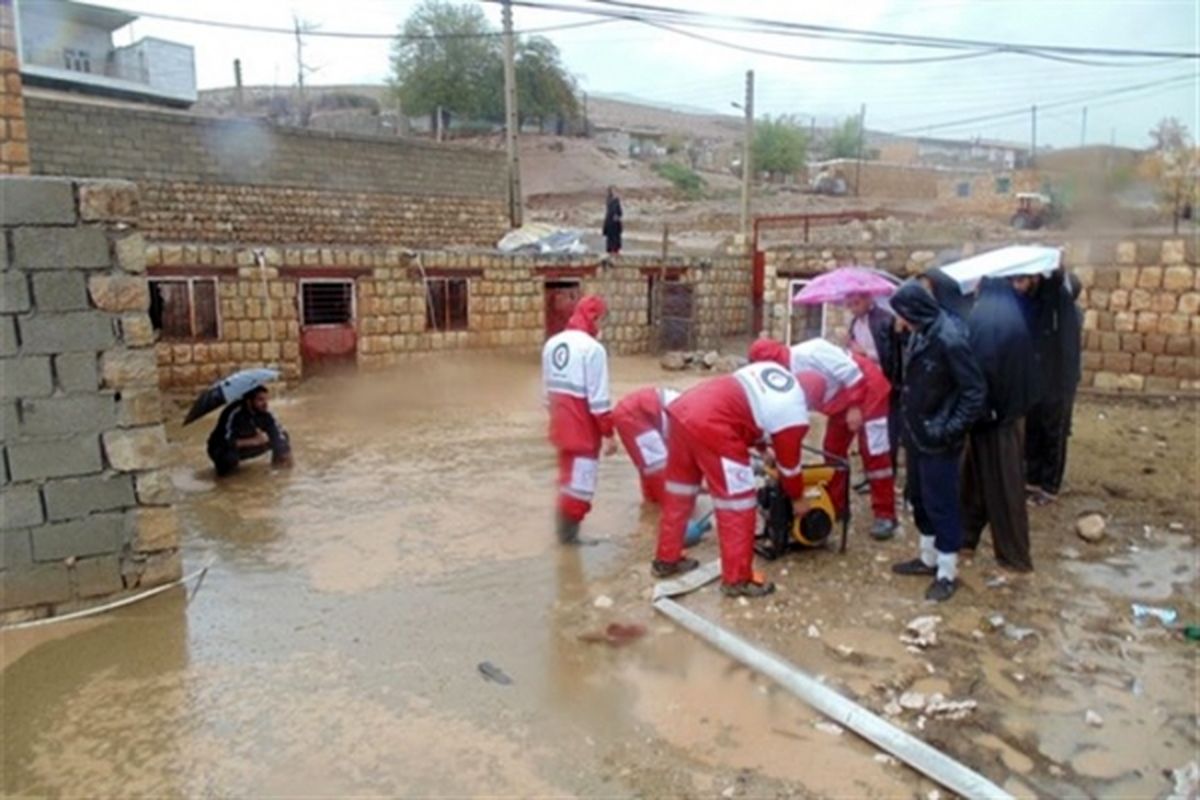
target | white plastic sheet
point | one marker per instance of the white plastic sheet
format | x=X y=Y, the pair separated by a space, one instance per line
x=1007 y=262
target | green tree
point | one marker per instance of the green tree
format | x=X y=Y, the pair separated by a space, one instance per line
x=844 y=139
x=780 y=146
x=447 y=55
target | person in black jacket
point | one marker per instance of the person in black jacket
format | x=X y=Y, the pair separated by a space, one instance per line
x=993 y=479
x=942 y=397
x=1058 y=329
x=613 y=225
x=246 y=429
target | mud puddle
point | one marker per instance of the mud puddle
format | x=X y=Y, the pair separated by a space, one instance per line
x=334 y=647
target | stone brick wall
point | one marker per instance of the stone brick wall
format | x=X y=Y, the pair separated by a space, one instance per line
x=260 y=319
x=250 y=182
x=14 y=149
x=86 y=511
x=1141 y=302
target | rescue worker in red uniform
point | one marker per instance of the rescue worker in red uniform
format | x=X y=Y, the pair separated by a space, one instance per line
x=575 y=383
x=711 y=430
x=641 y=422
x=852 y=392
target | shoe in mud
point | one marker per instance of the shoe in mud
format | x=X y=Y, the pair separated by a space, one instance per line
x=914 y=567
x=884 y=529
x=747 y=589
x=669 y=569
x=568 y=530
x=941 y=590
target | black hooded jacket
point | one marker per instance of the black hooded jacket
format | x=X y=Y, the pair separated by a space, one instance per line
x=1057 y=330
x=1003 y=346
x=947 y=293
x=944 y=388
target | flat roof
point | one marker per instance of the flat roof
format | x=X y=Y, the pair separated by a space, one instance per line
x=83 y=13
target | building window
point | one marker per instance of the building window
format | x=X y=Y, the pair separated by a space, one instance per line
x=185 y=308
x=326 y=302
x=77 y=60
x=1003 y=184
x=963 y=189
x=446 y=304
x=804 y=322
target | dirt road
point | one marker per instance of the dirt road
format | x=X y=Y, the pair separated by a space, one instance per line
x=333 y=647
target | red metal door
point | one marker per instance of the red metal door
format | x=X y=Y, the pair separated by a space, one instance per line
x=561 y=297
x=327 y=333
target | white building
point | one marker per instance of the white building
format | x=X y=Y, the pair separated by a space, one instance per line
x=67 y=45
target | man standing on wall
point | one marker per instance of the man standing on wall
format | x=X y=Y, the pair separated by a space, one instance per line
x=575 y=384
x=613 y=226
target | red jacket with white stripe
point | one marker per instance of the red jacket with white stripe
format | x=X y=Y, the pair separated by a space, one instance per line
x=758 y=403
x=844 y=384
x=575 y=382
x=647 y=407
x=871 y=393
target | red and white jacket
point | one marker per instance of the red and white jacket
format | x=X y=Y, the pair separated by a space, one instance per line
x=871 y=394
x=843 y=375
x=759 y=403
x=575 y=382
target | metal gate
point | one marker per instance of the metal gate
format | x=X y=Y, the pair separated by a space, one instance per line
x=327 y=329
x=561 y=297
x=676 y=326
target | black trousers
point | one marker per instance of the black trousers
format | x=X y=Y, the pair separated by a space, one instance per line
x=1047 y=431
x=226 y=459
x=993 y=495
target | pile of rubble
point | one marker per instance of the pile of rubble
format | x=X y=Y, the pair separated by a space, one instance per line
x=710 y=360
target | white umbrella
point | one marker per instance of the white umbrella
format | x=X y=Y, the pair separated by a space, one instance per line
x=1007 y=262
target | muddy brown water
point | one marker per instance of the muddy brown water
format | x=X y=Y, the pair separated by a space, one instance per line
x=333 y=647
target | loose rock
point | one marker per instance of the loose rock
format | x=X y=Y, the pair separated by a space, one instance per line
x=603 y=601
x=1090 y=527
x=673 y=360
x=921 y=632
x=913 y=701
x=1093 y=719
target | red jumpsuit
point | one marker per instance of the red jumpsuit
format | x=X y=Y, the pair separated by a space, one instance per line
x=712 y=428
x=640 y=421
x=575 y=383
x=834 y=381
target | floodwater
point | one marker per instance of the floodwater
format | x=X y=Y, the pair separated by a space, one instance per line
x=333 y=648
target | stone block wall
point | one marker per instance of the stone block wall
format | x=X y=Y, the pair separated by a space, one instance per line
x=85 y=510
x=1141 y=301
x=14 y=147
x=249 y=182
x=261 y=322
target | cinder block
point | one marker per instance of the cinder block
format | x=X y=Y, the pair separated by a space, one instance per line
x=96 y=577
x=60 y=248
x=78 y=413
x=78 y=497
x=78 y=455
x=16 y=549
x=64 y=290
x=14 y=292
x=35 y=585
x=99 y=534
x=70 y=332
x=77 y=372
x=37 y=201
x=25 y=376
x=20 y=506
x=8 y=336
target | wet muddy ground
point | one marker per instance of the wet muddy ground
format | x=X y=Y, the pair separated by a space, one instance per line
x=333 y=647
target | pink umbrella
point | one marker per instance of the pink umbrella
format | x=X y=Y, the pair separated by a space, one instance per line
x=832 y=287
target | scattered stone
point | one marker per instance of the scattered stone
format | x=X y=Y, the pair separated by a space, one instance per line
x=996 y=621
x=830 y=728
x=921 y=632
x=934 y=794
x=1090 y=527
x=603 y=601
x=950 y=709
x=1176 y=526
x=1018 y=634
x=1019 y=677
x=913 y=701
x=814 y=632
x=729 y=792
x=729 y=363
x=710 y=358
x=1187 y=782
x=493 y=673
x=845 y=651
x=893 y=709
x=1069 y=553
x=1093 y=719
x=743 y=602
x=885 y=759
x=996 y=581
x=673 y=361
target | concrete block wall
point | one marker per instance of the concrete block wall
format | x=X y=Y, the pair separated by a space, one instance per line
x=1141 y=301
x=260 y=317
x=249 y=182
x=85 y=510
x=14 y=146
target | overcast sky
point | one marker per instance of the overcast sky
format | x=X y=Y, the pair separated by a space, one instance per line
x=629 y=58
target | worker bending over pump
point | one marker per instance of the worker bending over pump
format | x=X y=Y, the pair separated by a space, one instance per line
x=711 y=430
x=641 y=423
x=575 y=384
x=853 y=393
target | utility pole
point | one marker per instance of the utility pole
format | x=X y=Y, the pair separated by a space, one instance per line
x=510 y=119
x=239 y=101
x=587 y=128
x=1083 y=129
x=862 y=133
x=747 y=157
x=1033 y=137
x=301 y=102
